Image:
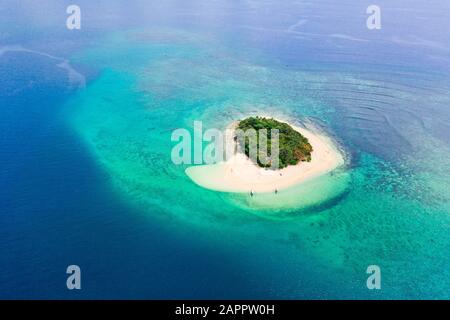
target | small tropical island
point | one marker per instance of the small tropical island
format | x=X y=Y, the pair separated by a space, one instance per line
x=304 y=154
x=293 y=146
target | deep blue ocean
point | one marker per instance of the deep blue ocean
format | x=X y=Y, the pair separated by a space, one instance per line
x=85 y=174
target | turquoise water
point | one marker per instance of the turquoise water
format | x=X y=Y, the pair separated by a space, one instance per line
x=163 y=236
x=385 y=212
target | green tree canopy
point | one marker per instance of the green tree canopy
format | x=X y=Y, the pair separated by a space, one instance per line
x=293 y=147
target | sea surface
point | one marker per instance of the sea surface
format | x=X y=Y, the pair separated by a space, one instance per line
x=86 y=176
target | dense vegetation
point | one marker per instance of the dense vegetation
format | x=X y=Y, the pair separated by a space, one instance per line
x=293 y=147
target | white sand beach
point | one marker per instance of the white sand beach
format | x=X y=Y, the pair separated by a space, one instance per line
x=240 y=174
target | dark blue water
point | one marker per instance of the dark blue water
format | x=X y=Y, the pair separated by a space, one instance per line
x=58 y=209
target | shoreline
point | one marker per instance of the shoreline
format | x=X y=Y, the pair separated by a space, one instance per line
x=240 y=175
